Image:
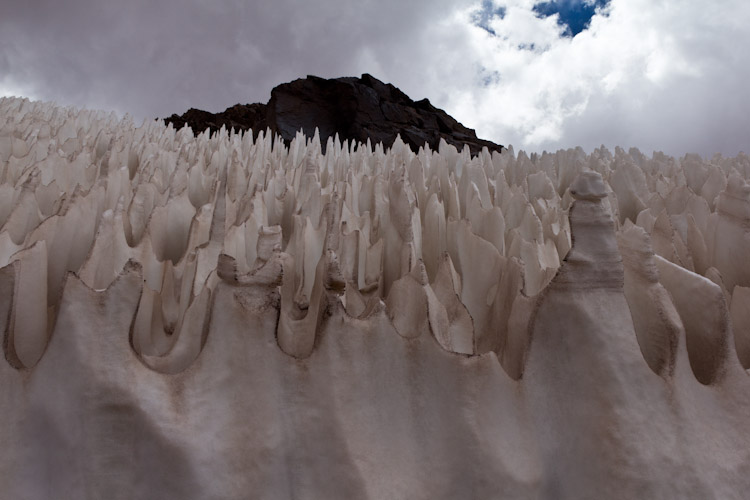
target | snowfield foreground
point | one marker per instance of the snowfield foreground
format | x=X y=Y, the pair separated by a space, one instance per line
x=202 y=317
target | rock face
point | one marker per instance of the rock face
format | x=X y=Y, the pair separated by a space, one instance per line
x=220 y=316
x=357 y=109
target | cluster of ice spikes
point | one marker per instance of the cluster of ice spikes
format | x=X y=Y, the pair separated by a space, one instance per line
x=452 y=246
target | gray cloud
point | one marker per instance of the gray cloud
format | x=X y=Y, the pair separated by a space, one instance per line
x=155 y=58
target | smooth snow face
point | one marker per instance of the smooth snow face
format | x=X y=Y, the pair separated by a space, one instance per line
x=203 y=317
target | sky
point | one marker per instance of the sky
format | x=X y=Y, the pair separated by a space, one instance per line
x=664 y=75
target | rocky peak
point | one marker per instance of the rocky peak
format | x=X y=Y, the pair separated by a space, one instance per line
x=355 y=108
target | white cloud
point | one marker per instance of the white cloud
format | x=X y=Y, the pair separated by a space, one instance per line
x=659 y=75
x=10 y=89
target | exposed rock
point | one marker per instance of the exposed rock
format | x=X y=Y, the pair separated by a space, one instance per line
x=239 y=117
x=354 y=108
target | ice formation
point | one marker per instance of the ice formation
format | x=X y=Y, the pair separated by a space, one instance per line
x=216 y=317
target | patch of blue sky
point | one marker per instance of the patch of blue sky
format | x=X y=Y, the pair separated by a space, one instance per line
x=485 y=14
x=489 y=78
x=574 y=15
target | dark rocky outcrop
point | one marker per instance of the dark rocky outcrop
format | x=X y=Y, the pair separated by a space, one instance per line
x=355 y=108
